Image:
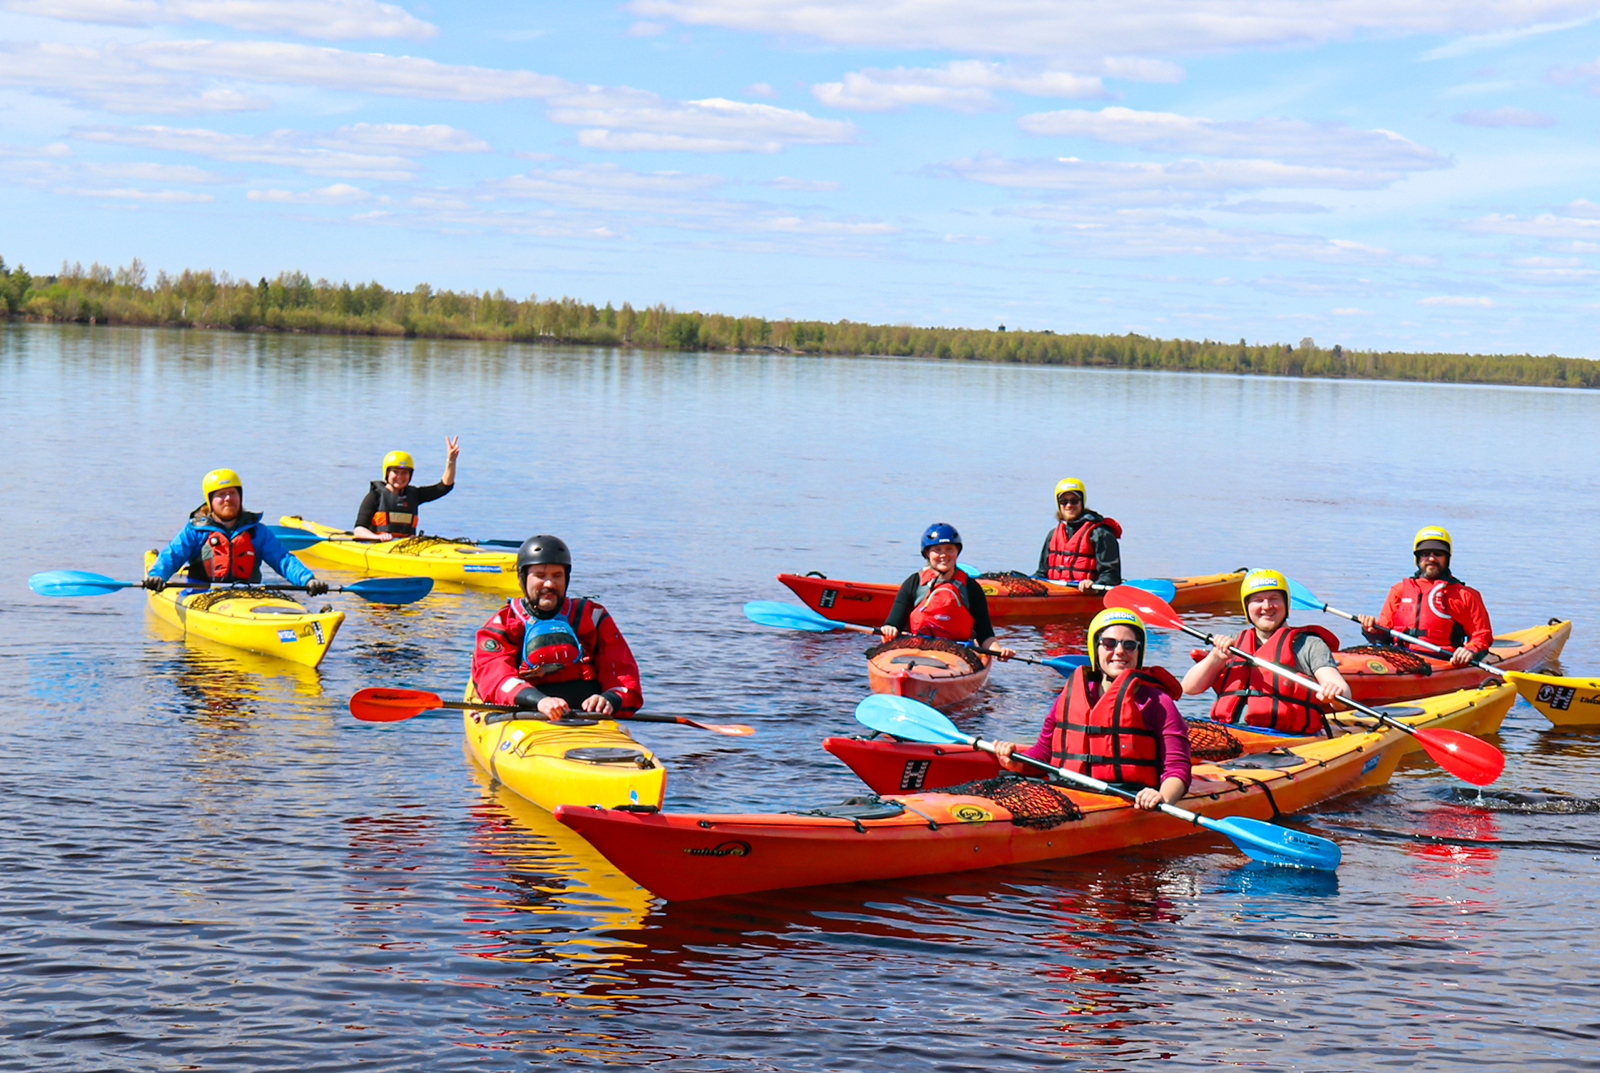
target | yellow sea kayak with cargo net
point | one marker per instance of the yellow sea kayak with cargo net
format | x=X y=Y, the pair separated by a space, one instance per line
x=256 y=620
x=441 y=558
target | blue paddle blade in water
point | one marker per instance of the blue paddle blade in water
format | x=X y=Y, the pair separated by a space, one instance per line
x=1304 y=598
x=907 y=718
x=788 y=616
x=1066 y=664
x=75 y=583
x=392 y=590
x=1272 y=844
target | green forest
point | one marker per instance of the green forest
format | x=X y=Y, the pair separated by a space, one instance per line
x=294 y=303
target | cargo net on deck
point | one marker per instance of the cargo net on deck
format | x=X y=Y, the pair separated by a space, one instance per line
x=416 y=545
x=1402 y=660
x=1012 y=583
x=1031 y=803
x=930 y=644
x=204 y=601
x=1211 y=743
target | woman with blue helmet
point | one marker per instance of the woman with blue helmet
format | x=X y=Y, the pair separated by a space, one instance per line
x=940 y=600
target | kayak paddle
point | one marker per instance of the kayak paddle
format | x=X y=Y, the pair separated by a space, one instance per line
x=378 y=590
x=1160 y=586
x=1267 y=842
x=381 y=705
x=794 y=617
x=1464 y=756
x=1302 y=597
x=294 y=539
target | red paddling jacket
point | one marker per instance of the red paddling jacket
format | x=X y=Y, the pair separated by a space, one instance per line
x=1087 y=552
x=1248 y=694
x=575 y=653
x=1110 y=739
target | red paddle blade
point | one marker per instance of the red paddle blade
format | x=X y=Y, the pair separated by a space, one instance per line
x=1467 y=758
x=1153 y=609
x=378 y=705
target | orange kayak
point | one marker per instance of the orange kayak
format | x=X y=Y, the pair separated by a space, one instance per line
x=937 y=674
x=889 y=765
x=684 y=856
x=1012 y=598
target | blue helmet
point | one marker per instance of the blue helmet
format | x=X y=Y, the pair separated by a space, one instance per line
x=940 y=533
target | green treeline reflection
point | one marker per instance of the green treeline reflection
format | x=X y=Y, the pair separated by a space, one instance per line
x=293 y=302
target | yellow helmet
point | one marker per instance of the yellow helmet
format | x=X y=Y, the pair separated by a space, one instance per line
x=1070 y=484
x=1262 y=581
x=219 y=479
x=397 y=458
x=1430 y=537
x=1113 y=616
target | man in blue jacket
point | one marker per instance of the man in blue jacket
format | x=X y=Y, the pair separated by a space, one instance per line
x=224 y=542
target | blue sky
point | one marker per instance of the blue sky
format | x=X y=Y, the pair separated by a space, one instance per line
x=1411 y=174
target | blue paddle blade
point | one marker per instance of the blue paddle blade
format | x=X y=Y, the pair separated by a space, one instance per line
x=1155 y=586
x=75 y=583
x=788 y=616
x=294 y=539
x=391 y=590
x=907 y=718
x=1304 y=598
x=1066 y=664
x=1272 y=844
x=500 y=543
x=968 y=569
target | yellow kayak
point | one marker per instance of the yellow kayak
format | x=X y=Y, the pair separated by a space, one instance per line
x=1566 y=702
x=1477 y=711
x=575 y=762
x=255 y=620
x=440 y=558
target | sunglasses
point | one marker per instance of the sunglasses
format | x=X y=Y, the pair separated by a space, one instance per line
x=1111 y=644
x=1073 y=498
x=1433 y=553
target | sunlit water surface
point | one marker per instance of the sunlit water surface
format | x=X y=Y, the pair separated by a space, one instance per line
x=207 y=864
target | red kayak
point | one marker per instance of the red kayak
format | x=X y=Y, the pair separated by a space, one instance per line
x=938 y=673
x=1012 y=598
x=683 y=856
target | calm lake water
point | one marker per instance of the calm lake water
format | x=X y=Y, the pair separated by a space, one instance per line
x=207 y=864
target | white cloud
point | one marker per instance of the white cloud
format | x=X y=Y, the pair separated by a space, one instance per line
x=337 y=194
x=1456 y=300
x=1094 y=177
x=635 y=119
x=784 y=182
x=279 y=149
x=1090 y=29
x=1259 y=207
x=1350 y=311
x=168 y=197
x=114 y=78
x=763 y=90
x=646 y=29
x=964 y=85
x=405 y=138
x=308 y=18
x=1578 y=223
x=1142 y=233
x=1480 y=42
x=1271 y=138
x=1505 y=117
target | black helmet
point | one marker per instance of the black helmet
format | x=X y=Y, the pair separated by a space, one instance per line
x=543 y=549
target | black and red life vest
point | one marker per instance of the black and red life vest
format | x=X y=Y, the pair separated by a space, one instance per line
x=231 y=556
x=552 y=648
x=940 y=608
x=397 y=511
x=1070 y=556
x=1247 y=694
x=1109 y=739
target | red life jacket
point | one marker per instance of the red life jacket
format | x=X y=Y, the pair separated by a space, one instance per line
x=1071 y=557
x=552 y=648
x=231 y=558
x=1109 y=739
x=397 y=511
x=1248 y=694
x=940 y=608
x=1420 y=612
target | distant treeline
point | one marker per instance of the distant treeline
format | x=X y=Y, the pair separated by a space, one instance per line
x=292 y=302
